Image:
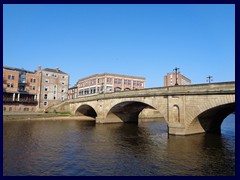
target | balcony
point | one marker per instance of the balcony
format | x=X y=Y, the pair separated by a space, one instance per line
x=21 y=101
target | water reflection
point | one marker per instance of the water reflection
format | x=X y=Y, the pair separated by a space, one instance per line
x=77 y=148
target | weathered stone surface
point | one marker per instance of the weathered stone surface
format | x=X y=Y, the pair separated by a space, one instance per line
x=187 y=109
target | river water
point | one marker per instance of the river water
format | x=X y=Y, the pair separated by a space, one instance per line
x=74 y=148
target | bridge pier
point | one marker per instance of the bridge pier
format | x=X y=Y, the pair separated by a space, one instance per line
x=176 y=129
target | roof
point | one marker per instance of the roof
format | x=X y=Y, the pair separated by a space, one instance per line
x=104 y=74
x=17 y=69
x=56 y=70
x=73 y=87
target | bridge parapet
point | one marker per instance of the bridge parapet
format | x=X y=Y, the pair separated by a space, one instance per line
x=214 y=88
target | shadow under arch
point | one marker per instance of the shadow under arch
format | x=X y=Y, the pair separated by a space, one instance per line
x=86 y=110
x=127 y=111
x=212 y=119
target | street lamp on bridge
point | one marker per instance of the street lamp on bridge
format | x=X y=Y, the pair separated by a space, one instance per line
x=209 y=79
x=177 y=71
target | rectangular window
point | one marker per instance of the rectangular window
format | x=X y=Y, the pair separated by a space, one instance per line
x=45 y=103
x=32 y=87
x=125 y=81
x=81 y=92
x=109 y=80
x=32 y=80
x=115 y=81
x=129 y=82
x=119 y=81
x=10 y=85
x=10 y=77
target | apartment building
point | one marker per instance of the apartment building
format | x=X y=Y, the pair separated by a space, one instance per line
x=107 y=82
x=53 y=88
x=24 y=90
x=171 y=78
x=19 y=89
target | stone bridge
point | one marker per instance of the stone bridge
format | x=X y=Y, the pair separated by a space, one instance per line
x=186 y=109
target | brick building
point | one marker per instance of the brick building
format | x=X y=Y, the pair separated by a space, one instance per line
x=106 y=83
x=170 y=79
x=19 y=89
x=53 y=87
x=73 y=92
x=25 y=90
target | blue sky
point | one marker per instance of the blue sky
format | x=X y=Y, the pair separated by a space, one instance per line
x=140 y=40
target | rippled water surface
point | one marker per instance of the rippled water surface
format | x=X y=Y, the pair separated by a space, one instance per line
x=80 y=148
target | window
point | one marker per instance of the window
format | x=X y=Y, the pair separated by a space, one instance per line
x=63 y=77
x=47 y=74
x=46 y=80
x=119 y=81
x=10 y=77
x=81 y=92
x=32 y=80
x=10 y=85
x=115 y=81
x=45 y=103
x=129 y=82
x=109 y=80
x=54 y=75
x=54 y=97
x=45 y=96
x=32 y=87
x=62 y=98
x=54 y=92
x=63 y=83
x=62 y=90
x=55 y=86
x=93 y=90
x=46 y=89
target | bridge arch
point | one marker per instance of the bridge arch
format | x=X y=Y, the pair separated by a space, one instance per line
x=127 y=111
x=86 y=110
x=210 y=115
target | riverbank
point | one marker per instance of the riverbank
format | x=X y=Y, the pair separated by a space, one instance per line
x=43 y=116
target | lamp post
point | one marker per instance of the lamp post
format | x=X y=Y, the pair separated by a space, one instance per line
x=209 y=79
x=176 y=70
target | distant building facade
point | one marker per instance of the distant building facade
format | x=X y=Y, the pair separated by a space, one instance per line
x=170 y=79
x=106 y=83
x=24 y=90
x=53 y=87
x=19 y=89
x=73 y=92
